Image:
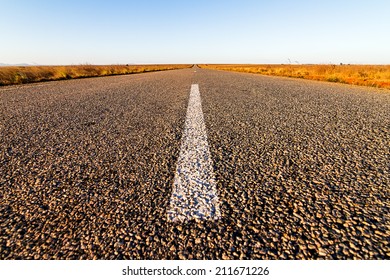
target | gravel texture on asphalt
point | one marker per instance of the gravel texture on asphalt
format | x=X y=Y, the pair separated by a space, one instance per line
x=87 y=168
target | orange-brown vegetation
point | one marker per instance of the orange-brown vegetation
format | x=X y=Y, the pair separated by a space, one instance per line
x=363 y=75
x=10 y=75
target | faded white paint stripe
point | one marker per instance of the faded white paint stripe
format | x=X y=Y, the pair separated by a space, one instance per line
x=194 y=194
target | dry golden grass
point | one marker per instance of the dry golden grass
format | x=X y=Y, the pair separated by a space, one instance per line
x=11 y=75
x=363 y=75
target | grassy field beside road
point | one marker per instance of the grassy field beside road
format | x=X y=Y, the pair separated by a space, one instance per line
x=363 y=75
x=11 y=75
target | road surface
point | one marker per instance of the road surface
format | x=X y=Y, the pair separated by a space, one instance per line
x=101 y=168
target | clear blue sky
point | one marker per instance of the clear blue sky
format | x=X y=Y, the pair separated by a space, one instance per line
x=194 y=31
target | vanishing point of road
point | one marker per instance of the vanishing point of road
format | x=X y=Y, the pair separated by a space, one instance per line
x=194 y=164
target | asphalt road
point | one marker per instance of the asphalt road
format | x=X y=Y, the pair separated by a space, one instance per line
x=87 y=168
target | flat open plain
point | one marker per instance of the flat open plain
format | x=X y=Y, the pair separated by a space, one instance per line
x=87 y=168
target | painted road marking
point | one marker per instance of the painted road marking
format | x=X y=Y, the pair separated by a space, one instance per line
x=194 y=194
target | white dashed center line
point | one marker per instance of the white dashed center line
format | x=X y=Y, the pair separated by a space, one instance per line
x=194 y=194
